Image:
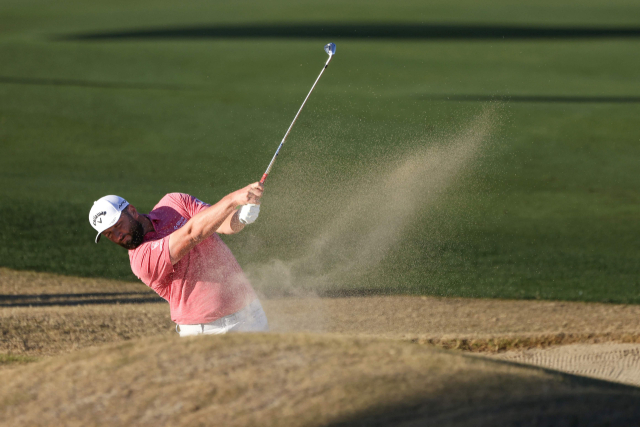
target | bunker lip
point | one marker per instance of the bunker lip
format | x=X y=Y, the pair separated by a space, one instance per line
x=299 y=380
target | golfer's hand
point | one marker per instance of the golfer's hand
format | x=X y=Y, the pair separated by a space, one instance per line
x=249 y=195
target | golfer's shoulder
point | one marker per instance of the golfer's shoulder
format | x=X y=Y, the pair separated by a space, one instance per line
x=174 y=199
x=185 y=204
x=147 y=257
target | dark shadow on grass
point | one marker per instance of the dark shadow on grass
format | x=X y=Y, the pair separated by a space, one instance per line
x=361 y=31
x=99 y=298
x=537 y=98
x=598 y=408
x=583 y=402
x=86 y=83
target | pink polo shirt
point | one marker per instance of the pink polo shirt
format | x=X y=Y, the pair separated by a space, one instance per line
x=206 y=284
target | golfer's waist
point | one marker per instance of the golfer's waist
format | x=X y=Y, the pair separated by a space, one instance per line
x=228 y=319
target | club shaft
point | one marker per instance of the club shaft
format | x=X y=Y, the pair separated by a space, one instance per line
x=273 y=160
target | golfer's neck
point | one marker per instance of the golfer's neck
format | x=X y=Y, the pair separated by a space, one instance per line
x=147 y=225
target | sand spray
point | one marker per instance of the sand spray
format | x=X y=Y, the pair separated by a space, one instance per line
x=333 y=228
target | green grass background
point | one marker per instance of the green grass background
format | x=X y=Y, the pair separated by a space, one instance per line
x=556 y=214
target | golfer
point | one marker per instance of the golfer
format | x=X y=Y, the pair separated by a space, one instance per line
x=176 y=251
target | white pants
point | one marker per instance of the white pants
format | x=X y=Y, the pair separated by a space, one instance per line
x=250 y=319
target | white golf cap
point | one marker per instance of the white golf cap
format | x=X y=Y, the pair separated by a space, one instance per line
x=106 y=212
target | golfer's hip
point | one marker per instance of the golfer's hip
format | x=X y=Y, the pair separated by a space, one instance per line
x=252 y=318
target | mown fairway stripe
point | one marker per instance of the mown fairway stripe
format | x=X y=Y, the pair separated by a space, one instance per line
x=538 y=98
x=91 y=84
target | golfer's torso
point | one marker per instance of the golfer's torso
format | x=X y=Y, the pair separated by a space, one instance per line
x=207 y=283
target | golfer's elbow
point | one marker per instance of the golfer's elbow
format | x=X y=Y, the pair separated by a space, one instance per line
x=181 y=242
x=194 y=234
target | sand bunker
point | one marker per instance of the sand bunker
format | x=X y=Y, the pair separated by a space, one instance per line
x=610 y=361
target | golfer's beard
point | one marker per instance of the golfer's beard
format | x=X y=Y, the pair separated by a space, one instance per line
x=137 y=236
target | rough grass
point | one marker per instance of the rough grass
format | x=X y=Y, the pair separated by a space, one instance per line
x=298 y=380
x=503 y=344
x=12 y=359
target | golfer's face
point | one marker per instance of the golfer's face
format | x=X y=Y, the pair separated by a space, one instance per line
x=124 y=231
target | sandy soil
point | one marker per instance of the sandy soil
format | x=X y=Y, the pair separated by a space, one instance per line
x=441 y=320
x=44 y=315
x=610 y=361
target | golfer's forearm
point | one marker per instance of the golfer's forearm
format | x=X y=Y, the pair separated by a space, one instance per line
x=199 y=228
x=210 y=220
x=232 y=224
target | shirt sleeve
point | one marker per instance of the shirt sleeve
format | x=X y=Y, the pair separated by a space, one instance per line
x=151 y=264
x=192 y=205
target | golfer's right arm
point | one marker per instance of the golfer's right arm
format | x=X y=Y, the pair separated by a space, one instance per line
x=207 y=222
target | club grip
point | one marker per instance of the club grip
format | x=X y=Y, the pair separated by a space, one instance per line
x=264 y=178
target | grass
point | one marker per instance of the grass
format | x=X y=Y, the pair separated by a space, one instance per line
x=503 y=344
x=550 y=211
x=10 y=359
x=300 y=380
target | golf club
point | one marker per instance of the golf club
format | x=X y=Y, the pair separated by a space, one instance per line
x=331 y=50
x=249 y=213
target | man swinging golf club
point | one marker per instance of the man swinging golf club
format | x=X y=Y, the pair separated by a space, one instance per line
x=175 y=250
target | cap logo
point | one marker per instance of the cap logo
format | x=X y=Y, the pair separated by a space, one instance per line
x=121 y=203
x=96 y=217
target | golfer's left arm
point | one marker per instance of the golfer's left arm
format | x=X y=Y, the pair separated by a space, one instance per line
x=231 y=224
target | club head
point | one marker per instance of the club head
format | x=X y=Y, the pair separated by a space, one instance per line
x=330 y=49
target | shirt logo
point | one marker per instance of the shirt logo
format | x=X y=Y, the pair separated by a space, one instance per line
x=96 y=217
x=156 y=244
x=180 y=223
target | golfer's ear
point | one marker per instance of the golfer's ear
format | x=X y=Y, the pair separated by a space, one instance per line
x=132 y=210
